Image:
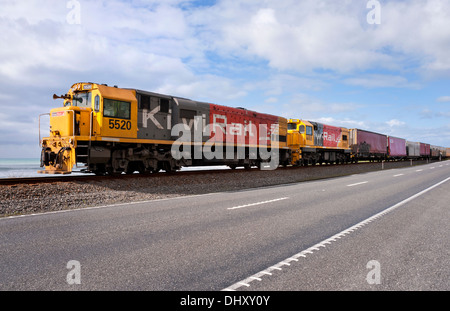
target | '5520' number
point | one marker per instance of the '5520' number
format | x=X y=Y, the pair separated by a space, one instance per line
x=119 y=124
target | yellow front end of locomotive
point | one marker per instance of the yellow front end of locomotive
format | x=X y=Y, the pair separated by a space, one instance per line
x=58 y=155
x=293 y=140
x=90 y=112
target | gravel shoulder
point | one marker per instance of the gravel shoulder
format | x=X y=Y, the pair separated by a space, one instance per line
x=37 y=198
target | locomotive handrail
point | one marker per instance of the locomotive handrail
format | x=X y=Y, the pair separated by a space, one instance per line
x=74 y=122
x=91 y=128
x=42 y=114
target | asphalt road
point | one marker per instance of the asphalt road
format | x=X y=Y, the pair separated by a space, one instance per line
x=290 y=237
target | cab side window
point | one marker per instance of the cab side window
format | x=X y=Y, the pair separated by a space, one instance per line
x=116 y=109
x=97 y=103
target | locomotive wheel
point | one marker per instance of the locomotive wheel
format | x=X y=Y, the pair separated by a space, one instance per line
x=99 y=172
x=111 y=172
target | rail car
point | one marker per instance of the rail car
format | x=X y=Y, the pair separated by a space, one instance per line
x=437 y=152
x=111 y=130
x=396 y=148
x=367 y=145
x=418 y=150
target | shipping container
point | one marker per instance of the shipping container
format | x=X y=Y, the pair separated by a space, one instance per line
x=367 y=144
x=413 y=149
x=424 y=150
x=435 y=151
x=396 y=147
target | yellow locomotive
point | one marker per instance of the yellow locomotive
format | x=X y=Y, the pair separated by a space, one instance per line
x=313 y=142
x=111 y=130
x=90 y=112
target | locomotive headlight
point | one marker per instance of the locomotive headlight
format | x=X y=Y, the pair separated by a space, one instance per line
x=87 y=87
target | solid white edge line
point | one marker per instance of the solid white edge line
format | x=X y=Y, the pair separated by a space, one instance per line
x=309 y=250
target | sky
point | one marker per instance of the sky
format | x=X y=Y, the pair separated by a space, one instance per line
x=382 y=66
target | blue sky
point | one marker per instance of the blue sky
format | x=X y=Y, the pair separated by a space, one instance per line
x=321 y=60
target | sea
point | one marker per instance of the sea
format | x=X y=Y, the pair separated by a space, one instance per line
x=22 y=167
x=29 y=167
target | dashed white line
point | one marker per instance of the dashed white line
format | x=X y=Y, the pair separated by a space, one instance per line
x=398 y=175
x=333 y=238
x=359 y=183
x=257 y=203
x=419 y=170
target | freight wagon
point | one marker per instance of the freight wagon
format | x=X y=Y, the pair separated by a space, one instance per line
x=367 y=145
x=437 y=152
x=418 y=150
x=396 y=148
x=413 y=149
x=424 y=151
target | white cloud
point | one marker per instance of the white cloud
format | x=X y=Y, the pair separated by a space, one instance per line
x=271 y=100
x=443 y=99
x=381 y=81
x=395 y=122
x=332 y=35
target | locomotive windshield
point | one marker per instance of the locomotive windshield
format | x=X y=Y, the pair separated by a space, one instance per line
x=81 y=100
x=292 y=126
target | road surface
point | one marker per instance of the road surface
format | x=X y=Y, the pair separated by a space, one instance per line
x=385 y=230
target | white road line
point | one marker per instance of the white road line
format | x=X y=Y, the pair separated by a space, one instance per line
x=257 y=203
x=419 y=170
x=398 y=175
x=359 y=183
x=333 y=238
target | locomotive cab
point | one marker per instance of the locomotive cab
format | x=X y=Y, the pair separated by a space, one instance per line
x=67 y=123
x=300 y=135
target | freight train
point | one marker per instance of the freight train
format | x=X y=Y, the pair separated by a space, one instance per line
x=110 y=130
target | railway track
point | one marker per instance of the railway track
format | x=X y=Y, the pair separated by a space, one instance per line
x=90 y=177
x=75 y=178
